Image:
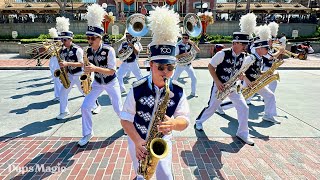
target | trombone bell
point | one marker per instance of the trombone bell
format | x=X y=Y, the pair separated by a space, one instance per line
x=192 y=25
x=137 y=25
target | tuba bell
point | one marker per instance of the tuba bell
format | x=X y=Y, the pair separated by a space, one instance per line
x=137 y=25
x=192 y=26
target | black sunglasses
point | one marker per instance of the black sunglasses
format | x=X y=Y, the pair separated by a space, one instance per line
x=185 y=37
x=92 y=38
x=63 y=40
x=161 y=67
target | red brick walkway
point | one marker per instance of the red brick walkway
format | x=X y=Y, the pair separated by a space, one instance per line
x=203 y=158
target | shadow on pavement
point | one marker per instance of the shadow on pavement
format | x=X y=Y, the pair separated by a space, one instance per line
x=207 y=155
x=36 y=128
x=34 y=85
x=62 y=157
x=39 y=105
x=35 y=79
x=33 y=93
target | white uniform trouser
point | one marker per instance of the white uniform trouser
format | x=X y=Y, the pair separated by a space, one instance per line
x=124 y=68
x=270 y=108
x=189 y=69
x=163 y=171
x=54 y=65
x=273 y=85
x=240 y=105
x=113 y=90
x=74 y=79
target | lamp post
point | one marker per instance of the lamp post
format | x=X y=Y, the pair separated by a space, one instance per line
x=201 y=7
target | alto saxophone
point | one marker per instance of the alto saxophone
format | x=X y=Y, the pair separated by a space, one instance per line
x=155 y=145
x=231 y=85
x=85 y=78
x=62 y=72
x=265 y=79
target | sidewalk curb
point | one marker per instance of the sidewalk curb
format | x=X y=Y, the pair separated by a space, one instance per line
x=47 y=68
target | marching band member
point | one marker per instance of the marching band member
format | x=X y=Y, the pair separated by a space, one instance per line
x=147 y=94
x=131 y=63
x=72 y=56
x=54 y=65
x=222 y=67
x=261 y=49
x=183 y=47
x=269 y=59
x=103 y=63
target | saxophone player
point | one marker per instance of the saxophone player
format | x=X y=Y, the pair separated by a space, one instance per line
x=261 y=49
x=183 y=47
x=131 y=63
x=72 y=57
x=222 y=66
x=146 y=96
x=103 y=64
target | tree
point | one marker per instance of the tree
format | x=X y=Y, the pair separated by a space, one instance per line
x=62 y=5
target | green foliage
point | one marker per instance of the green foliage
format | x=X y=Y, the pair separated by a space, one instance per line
x=44 y=36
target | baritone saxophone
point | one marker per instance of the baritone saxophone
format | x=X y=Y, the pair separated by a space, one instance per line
x=265 y=79
x=155 y=145
x=85 y=78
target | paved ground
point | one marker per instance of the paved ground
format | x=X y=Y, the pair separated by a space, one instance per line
x=30 y=136
x=12 y=61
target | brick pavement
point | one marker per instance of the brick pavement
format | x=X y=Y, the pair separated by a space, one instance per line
x=193 y=158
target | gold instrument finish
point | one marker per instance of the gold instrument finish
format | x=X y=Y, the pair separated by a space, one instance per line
x=265 y=79
x=62 y=72
x=155 y=145
x=85 y=78
x=300 y=56
x=231 y=85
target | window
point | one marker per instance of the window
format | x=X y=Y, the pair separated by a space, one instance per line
x=197 y=6
x=111 y=8
x=126 y=8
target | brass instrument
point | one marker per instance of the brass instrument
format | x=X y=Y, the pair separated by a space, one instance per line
x=265 y=79
x=137 y=25
x=62 y=72
x=193 y=27
x=291 y=54
x=231 y=85
x=85 y=78
x=155 y=145
x=125 y=54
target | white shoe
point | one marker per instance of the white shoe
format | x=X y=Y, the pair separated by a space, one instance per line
x=56 y=99
x=97 y=109
x=198 y=126
x=248 y=102
x=247 y=140
x=220 y=111
x=84 y=140
x=270 y=119
x=62 y=115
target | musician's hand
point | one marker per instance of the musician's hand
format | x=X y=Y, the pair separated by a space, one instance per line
x=220 y=85
x=141 y=150
x=166 y=126
x=248 y=82
x=241 y=76
x=130 y=44
x=281 y=50
x=63 y=64
x=90 y=68
x=121 y=50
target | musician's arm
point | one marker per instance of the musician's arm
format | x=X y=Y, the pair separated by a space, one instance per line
x=215 y=61
x=195 y=46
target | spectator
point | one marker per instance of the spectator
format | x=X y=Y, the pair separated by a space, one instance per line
x=143 y=10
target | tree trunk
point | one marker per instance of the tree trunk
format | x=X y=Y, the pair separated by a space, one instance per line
x=248 y=6
x=62 y=6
